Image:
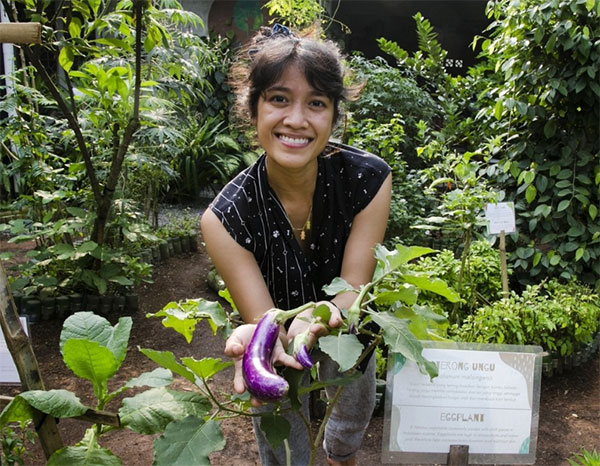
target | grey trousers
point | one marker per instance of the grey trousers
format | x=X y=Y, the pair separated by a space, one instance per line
x=346 y=426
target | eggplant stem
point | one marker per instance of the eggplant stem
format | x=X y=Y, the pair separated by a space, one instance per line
x=281 y=316
x=288 y=452
x=330 y=404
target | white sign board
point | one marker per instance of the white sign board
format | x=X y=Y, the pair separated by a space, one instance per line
x=8 y=370
x=486 y=398
x=500 y=217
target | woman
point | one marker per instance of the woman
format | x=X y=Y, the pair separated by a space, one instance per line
x=307 y=211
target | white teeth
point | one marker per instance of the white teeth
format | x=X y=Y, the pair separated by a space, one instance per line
x=297 y=141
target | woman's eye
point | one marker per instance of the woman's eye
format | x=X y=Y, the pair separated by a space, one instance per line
x=319 y=103
x=277 y=98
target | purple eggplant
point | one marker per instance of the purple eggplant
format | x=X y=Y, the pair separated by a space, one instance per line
x=262 y=381
x=303 y=357
x=300 y=348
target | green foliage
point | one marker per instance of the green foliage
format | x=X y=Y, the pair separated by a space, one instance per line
x=409 y=201
x=427 y=63
x=92 y=154
x=63 y=262
x=298 y=14
x=94 y=350
x=545 y=87
x=185 y=223
x=211 y=157
x=402 y=324
x=481 y=279
x=15 y=440
x=389 y=94
x=559 y=317
x=585 y=458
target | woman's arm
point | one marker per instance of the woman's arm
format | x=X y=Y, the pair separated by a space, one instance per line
x=238 y=269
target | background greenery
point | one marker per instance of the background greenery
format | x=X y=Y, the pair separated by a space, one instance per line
x=101 y=128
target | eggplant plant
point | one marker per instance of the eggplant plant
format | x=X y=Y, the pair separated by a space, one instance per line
x=390 y=300
x=94 y=350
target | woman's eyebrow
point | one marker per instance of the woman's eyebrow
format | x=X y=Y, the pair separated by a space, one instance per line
x=314 y=92
x=277 y=89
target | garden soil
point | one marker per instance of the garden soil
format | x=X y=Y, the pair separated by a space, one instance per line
x=569 y=412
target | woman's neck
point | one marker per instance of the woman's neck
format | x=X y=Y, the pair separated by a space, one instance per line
x=293 y=187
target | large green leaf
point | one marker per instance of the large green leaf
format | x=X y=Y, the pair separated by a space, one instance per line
x=388 y=261
x=188 y=442
x=183 y=316
x=120 y=338
x=167 y=360
x=338 y=285
x=151 y=411
x=276 y=428
x=83 y=456
x=343 y=349
x=89 y=326
x=58 y=403
x=206 y=367
x=18 y=410
x=399 y=339
x=159 y=377
x=406 y=293
x=66 y=58
x=434 y=285
x=86 y=326
x=91 y=361
x=178 y=319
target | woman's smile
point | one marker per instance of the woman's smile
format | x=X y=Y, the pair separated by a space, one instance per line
x=293 y=141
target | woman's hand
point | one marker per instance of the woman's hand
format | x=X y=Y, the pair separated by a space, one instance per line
x=236 y=345
x=319 y=329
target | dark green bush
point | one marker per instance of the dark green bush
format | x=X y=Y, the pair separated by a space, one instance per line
x=558 y=317
x=546 y=57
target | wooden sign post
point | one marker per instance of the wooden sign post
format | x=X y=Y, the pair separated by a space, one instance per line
x=503 y=267
x=501 y=220
x=20 y=33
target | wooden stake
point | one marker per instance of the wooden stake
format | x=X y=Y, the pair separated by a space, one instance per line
x=459 y=455
x=27 y=366
x=503 y=267
x=20 y=33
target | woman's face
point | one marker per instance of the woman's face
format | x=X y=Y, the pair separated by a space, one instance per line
x=294 y=121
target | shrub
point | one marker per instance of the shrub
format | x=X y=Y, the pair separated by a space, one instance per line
x=558 y=317
x=545 y=116
x=387 y=95
x=481 y=278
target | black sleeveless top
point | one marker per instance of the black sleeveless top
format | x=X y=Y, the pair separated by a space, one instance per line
x=250 y=211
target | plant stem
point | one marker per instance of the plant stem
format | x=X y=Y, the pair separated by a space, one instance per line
x=288 y=452
x=282 y=316
x=307 y=424
x=330 y=404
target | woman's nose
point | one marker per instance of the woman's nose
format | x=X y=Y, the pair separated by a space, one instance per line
x=296 y=116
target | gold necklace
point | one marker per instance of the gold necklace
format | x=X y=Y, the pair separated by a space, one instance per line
x=304 y=228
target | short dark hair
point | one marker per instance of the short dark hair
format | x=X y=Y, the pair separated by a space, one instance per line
x=264 y=59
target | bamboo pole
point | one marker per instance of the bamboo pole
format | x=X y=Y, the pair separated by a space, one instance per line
x=21 y=33
x=28 y=369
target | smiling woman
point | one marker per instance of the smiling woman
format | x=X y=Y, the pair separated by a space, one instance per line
x=308 y=211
